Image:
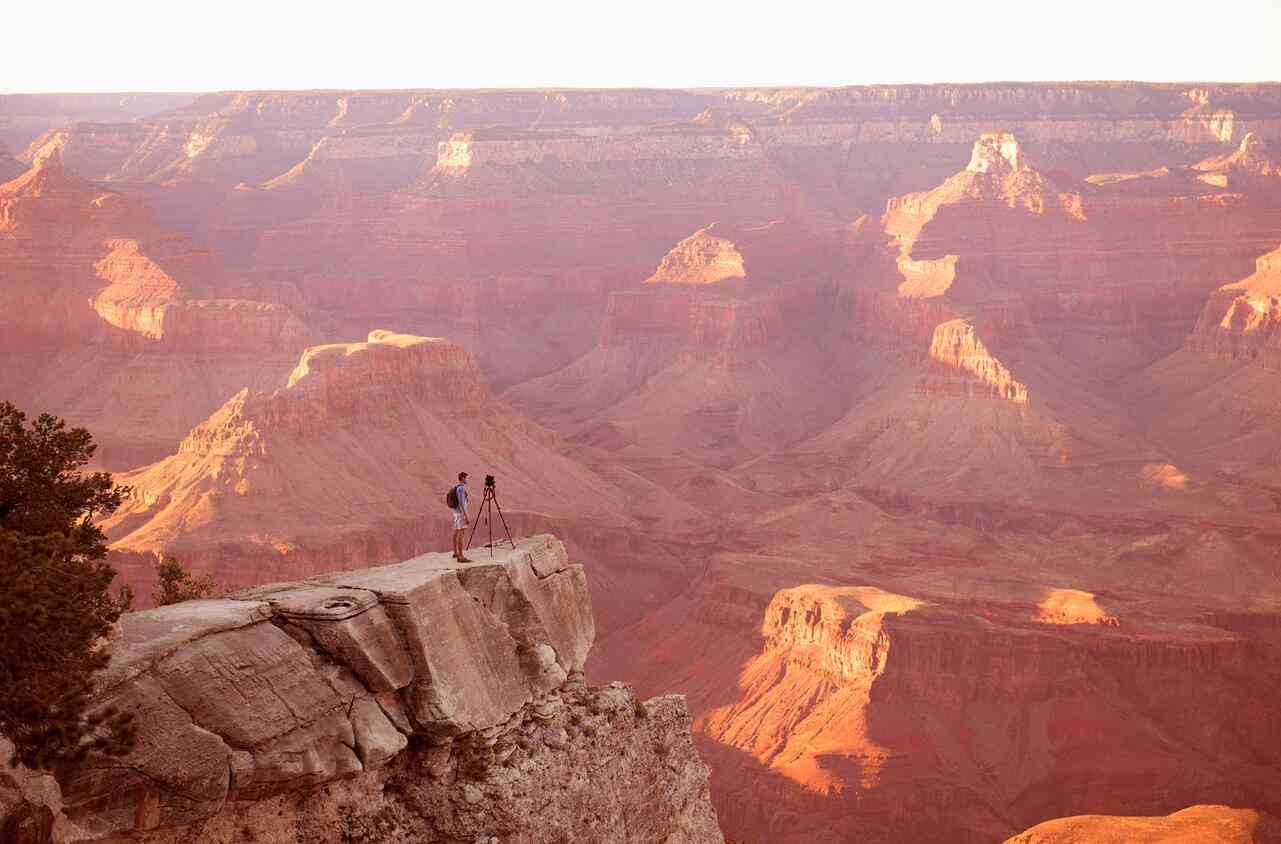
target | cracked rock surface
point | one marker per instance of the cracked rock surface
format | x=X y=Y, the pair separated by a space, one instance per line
x=450 y=684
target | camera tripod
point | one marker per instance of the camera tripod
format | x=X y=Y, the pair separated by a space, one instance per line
x=488 y=504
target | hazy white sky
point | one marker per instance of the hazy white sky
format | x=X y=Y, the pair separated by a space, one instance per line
x=234 y=44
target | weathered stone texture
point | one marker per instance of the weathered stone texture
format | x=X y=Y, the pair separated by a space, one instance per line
x=278 y=689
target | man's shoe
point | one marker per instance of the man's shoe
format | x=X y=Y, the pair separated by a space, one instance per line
x=465 y=560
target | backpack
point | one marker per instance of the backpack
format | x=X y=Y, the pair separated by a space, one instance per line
x=451 y=498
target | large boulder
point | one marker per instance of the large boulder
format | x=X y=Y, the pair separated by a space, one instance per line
x=291 y=685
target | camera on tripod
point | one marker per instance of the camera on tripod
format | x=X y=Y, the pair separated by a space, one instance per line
x=488 y=504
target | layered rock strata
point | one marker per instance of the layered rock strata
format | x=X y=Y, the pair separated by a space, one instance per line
x=726 y=333
x=24 y=117
x=119 y=323
x=861 y=712
x=346 y=465
x=252 y=131
x=1242 y=321
x=448 y=699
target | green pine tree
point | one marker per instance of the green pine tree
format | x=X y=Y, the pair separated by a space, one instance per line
x=55 y=600
x=175 y=584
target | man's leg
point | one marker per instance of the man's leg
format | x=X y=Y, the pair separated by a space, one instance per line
x=462 y=555
x=458 y=544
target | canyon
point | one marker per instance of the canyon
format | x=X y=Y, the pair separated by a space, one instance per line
x=924 y=438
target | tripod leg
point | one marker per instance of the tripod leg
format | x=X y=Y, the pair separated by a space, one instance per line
x=505 y=528
x=489 y=519
x=484 y=500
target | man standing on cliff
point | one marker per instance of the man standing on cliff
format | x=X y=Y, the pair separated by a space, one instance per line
x=460 y=518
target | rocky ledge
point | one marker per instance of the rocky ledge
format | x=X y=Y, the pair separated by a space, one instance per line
x=422 y=701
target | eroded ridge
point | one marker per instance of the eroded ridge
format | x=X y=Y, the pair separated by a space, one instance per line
x=284 y=686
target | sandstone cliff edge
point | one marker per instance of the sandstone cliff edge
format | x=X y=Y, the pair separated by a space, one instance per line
x=422 y=701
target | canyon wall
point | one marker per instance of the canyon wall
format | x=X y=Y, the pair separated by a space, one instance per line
x=925 y=436
x=433 y=701
x=1240 y=320
x=856 y=712
x=112 y=318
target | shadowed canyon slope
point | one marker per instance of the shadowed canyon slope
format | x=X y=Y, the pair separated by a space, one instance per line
x=925 y=437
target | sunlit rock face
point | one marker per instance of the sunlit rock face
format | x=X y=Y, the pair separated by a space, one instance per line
x=859 y=711
x=460 y=211
x=702 y=258
x=1195 y=823
x=247 y=705
x=1240 y=320
x=121 y=323
x=346 y=465
x=996 y=151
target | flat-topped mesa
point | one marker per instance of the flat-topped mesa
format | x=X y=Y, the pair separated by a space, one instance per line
x=835 y=630
x=347 y=382
x=423 y=366
x=333 y=470
x=288 y=686
x=366 y=380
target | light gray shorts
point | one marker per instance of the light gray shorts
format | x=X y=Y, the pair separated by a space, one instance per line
x=460 y=521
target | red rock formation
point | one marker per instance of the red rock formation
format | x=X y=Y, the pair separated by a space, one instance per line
x=1240 y=321
x=702 y=258
x=24 y=117
x=726 y=334
x=347 y=466
x=867 y=713
x=1186 y=826
x=96 y=291
x=1251 y=168
x=570 y=187
x=995 y=398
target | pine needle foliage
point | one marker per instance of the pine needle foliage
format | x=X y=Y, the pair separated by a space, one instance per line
x=55 y=599
x=175 y=584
